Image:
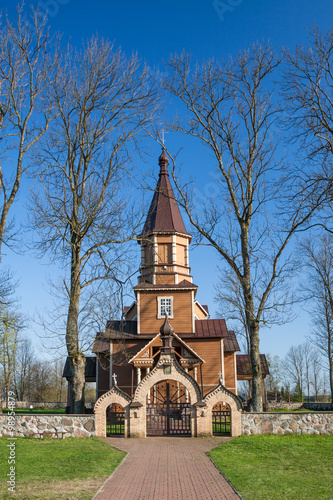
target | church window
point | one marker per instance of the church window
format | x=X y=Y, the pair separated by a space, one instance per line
x=165 y=307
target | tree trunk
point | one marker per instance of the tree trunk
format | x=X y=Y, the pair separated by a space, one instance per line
x=76 y=357
x=331 y=381
x=77 y=382
x=256 y=404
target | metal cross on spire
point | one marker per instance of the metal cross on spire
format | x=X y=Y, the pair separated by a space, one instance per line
x=163 y=132
x=114 y=376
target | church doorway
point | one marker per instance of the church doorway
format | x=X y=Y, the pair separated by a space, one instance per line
x=221 y=419
x=168 y=410
x=115 y=420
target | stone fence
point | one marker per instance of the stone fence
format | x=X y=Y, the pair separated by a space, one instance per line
x=287 y=423
x=63 y=426
x=55 y=426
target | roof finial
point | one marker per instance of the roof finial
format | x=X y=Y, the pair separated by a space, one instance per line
x=163 y=162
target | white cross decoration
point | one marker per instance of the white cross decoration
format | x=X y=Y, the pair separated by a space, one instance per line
x=163 y=136
x=220 y=377
x=114 y=376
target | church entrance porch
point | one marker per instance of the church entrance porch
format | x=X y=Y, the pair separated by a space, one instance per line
x=168 y=410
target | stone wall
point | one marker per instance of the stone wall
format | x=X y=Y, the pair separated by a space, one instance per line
x=57 y=426
x=287 y=423
x=62 y=426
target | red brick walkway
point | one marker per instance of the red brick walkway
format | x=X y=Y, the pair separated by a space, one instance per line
x=162 y=468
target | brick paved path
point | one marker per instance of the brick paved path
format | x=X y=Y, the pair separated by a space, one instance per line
x=164 y=468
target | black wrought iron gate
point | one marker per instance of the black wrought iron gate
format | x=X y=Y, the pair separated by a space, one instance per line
x=168 y=413
x=115 y=420
x=221 y=419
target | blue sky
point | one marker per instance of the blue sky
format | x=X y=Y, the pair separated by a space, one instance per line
x=155 y=30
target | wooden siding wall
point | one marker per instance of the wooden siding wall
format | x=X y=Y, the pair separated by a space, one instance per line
x=229 y=371
x=181 y=255
x=198 y=311
x=131 y=314
x=182 y=311
x=210 y=351
x=103 y=377
x=165 y=278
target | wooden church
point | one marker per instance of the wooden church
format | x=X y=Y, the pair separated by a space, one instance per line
x=167 y=350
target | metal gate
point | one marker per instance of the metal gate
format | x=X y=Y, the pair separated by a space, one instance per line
x=221 y=419
x=169 y=413
x=115 y=420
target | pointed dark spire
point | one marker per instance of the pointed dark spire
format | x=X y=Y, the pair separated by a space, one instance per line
x=164 y=214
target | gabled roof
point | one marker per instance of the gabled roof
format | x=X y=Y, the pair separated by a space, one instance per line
x=182 y=342
x=203 y=308
x=164 y=214
x=204 y=328
x=230 y=342
x=244 y=365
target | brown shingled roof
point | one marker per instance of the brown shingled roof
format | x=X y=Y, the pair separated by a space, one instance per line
x=230 y=342
x=183 y=284
x=210 y=328
x=204 y=328
x=244 y=365
x=164 y=214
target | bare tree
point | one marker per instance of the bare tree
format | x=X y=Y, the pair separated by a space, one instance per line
x=316 y=369
x=230 y=299
x=81 y=212
x=273 y=380
x=10 y=325
x=309 y=94
x=27 y=56
x=231 y=109
x=293 y=366
x=23 y=370
x=318 y=255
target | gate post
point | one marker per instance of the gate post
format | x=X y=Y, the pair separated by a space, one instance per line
x=137 y=419
x=202 y=427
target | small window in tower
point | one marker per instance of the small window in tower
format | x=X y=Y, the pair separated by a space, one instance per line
x=149 y=254
x=164 y=253
x=165 y=307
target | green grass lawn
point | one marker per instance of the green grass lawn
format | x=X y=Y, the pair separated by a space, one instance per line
x=58 y=469
x=291 y=467
x=36 y=411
